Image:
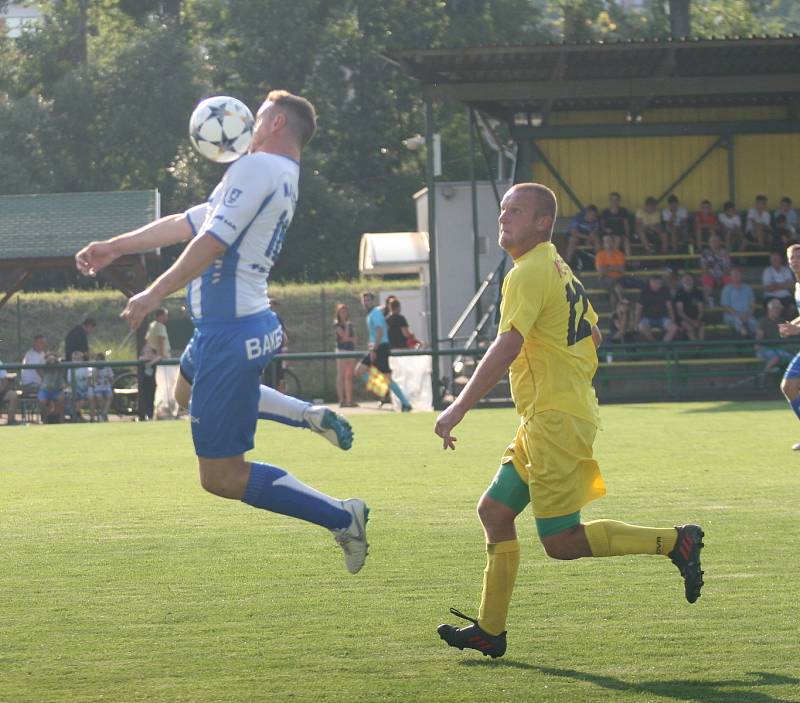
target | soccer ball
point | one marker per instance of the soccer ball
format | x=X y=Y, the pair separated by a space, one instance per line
x=221 y=128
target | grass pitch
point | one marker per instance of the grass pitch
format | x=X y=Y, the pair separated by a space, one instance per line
x=121 y=580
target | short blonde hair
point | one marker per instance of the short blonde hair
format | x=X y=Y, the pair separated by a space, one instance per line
x=303 y=116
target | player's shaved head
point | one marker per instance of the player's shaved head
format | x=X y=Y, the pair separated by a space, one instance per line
x=302 y=117
x=544 y=199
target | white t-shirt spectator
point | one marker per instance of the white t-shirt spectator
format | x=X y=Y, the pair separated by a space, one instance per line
x=754 y=218
x=31 y=377
x=781 y=275
x=678 y=217
x=730 y=222
x=791 y=217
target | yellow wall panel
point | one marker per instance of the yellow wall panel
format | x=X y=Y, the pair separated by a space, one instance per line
x=638 y=167
x=768 y=164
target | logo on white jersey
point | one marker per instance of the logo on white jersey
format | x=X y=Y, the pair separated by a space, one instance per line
x=232 y=195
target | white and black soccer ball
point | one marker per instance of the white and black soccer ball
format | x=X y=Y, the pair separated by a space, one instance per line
x=221 y=128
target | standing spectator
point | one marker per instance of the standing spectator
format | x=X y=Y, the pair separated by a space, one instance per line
x=583 y=231
x=778 y=282
x=616 y=220
x=648 y=226
x=705 y=224
x=716 y=268
x=77 y=338
x=378 y=349
x=400 y=335
x=739 y=304
x=768 y=331
x=31 y=379
x=8 y=395
x=676 y=223
x=610 y=264
x=345 y=342
x=78 y=380
x=51 y=390
x=730 y=223
x=654 y=310
x=387 y=305
x=758 y=230
x=785 y=208
x=102 y=389
x=689 y=308
x=157 y=338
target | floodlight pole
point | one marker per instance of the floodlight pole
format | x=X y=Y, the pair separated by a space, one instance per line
x=432 y=267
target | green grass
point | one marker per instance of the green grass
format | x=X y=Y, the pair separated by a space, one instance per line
x=120 y=580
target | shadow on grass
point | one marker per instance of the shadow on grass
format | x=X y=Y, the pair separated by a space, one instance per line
x=741 y=690
x=738 y=406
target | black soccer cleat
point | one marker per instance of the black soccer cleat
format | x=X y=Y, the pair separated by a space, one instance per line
x=686 y=556
x=473 y=637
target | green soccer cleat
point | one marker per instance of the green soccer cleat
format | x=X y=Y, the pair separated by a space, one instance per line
x=330 y=425
x=686 y=556
x=473 y=637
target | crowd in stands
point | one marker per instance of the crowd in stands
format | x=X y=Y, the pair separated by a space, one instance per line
x=702 y=278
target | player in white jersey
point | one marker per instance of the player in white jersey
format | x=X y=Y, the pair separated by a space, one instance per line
x=790 y=385
x=235 y=239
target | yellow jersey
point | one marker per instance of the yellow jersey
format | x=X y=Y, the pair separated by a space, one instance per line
x=548 y=306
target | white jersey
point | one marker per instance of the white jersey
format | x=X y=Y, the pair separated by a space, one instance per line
x=249 y=211
x=797 y=296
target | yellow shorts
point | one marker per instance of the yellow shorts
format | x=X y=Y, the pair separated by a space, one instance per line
x=552 y=453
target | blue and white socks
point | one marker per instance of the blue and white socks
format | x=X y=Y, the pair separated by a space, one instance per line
x=276 y=490
x=276 y=406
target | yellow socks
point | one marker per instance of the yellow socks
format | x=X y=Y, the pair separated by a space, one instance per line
x=502 y=562
x=610 y=538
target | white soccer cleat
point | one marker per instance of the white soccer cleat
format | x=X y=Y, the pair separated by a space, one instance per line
x=353 y=539
x=330 y=425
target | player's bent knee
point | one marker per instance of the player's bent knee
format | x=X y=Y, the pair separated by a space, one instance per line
x=226 y=477
x=790 y=387
x=564 y=545
x=492 y=513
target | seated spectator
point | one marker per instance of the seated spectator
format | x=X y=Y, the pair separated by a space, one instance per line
x=778 y=281
x=785 y=208
x=772 y=355
x=102 y=389
x=783 y=234
x=730 y=224
x=623 y=324
x=716 y=268
x=79 y=381
x=676 y=223
x=610 y=264
x=654 y=311
x=689 y=308
x=648 y=226
x=739 y=305
x=31 y=379
x=705 y=224
x=758 y=229
x=583 y=231
x=51 y=391
x=8 y=395
x=616 y=220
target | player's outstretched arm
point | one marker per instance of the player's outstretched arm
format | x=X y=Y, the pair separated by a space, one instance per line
x=160 y=233
x=492 y=368
x=196 y=258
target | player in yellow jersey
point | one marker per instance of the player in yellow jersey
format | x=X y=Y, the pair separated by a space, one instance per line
x=547 y=340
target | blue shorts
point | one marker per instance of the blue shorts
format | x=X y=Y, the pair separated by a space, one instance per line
x=793 y=370
x=44 y=395
x=224 y=362
x=100 y=392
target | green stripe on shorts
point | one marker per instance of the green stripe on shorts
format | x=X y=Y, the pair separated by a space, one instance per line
x=549 y=526
x=509 y=489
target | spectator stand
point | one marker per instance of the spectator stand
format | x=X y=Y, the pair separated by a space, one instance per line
x=705 y=119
